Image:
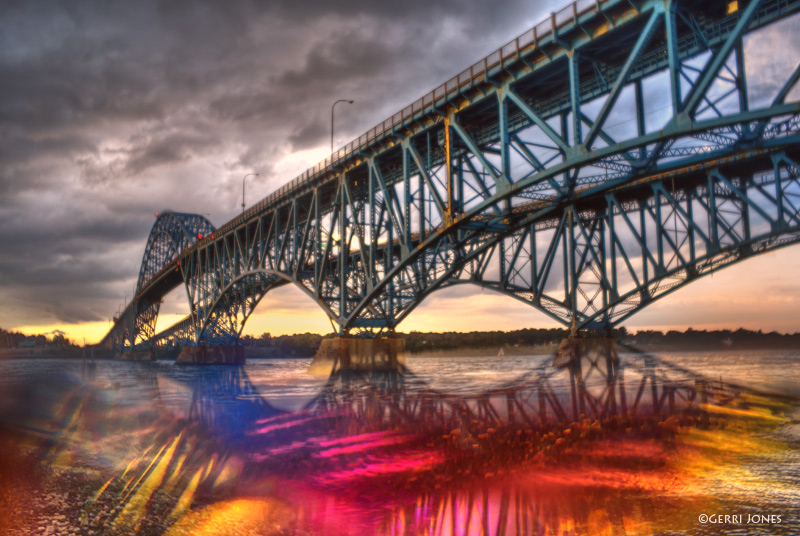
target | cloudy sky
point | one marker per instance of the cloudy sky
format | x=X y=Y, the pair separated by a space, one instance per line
x=113 y=111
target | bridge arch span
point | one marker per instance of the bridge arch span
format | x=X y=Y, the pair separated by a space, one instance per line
x=171 y=235
x=223 y=319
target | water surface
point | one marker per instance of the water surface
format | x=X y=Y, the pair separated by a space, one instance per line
x=473 y=445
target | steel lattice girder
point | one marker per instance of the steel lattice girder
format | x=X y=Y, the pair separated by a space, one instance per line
x=622 y=252
x=172 y=234
x=440 y=199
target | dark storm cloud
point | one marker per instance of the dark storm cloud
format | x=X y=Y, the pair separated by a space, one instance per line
x=26 y=162
x=351 y=57
x=249 y=107
x=144 y=153
x=309 y=135
x=63 y=92
x=478 y=15
x=70 y=230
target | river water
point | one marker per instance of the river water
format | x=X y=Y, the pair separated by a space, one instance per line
x=667 y=443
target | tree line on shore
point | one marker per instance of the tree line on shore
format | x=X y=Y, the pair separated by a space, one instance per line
x=722 y=338
x=306 y=344
x=54 y=339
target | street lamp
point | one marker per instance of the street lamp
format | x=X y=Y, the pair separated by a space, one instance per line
x=332 y=107
x=243 y=178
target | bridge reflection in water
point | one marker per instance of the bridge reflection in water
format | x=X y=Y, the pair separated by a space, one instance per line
x=591 y=449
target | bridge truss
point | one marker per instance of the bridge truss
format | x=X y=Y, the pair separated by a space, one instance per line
x=600 y=161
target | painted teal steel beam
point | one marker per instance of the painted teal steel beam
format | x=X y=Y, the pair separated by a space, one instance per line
x=622 y=79
x=718 y=59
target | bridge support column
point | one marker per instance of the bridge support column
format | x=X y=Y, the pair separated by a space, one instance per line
x=347 y=353
x=212 y=355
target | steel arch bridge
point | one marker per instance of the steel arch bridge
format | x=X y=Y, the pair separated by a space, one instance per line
x=171 y=235
x=605 y=158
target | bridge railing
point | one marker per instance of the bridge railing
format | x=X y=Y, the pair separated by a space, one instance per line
x=465 y=79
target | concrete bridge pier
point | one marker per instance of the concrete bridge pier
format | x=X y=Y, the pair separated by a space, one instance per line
x=352 y=354
x=212 y=355
x=596 y=358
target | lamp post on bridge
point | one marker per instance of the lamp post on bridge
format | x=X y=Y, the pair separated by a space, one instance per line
x=332 y=107
x=243 y=178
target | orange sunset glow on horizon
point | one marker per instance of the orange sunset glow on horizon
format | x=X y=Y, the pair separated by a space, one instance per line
x=761 y=293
